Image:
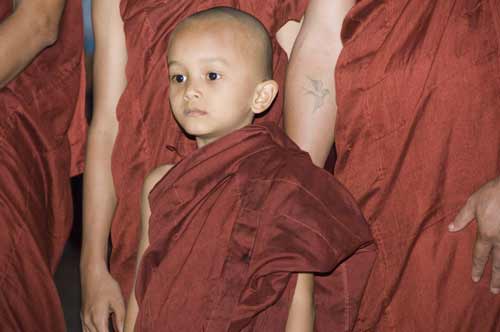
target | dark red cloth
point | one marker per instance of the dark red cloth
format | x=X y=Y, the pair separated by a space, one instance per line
x=418 y=87
x=231 y=223
x=42 y=134
x=146 y=125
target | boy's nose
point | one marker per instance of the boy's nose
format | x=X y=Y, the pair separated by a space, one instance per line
x=192 y=91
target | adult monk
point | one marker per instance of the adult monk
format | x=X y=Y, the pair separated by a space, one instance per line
x=42 y=85
x=133 y=132
x=417 y=137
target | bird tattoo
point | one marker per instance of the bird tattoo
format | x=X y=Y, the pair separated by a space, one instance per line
x=318 y=92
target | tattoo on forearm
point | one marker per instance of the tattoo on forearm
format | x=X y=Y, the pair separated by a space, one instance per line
x=318 y=92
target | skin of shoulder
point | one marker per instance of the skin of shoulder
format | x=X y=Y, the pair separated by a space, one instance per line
x=155 y=176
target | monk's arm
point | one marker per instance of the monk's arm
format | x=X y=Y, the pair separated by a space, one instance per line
x=301 y=312
x=310 y=108
x=33 y=26
x=149 y=183
x=100 y=292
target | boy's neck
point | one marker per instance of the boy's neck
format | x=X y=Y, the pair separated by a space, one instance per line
x=202 y=141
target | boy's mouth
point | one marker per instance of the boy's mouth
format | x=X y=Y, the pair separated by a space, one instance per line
x=194 y=112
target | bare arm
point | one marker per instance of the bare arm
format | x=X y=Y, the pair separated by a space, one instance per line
x=301 y=312
x=149 y=183
x=310 y=108
x=100 y=293
x=33 y=26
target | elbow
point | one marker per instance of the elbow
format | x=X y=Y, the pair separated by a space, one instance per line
x=43 y=17
x=46 y=28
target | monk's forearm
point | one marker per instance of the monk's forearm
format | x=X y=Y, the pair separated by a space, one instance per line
x=99 y=199
x=32 y=27
x=310 y=107
x=109 y=82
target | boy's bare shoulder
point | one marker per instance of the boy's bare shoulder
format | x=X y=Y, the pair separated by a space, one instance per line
x=156 y=175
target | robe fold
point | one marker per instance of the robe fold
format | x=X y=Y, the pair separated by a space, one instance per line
x=231 y=224
x=42 y=135
x=418 y=131
x=146 y=125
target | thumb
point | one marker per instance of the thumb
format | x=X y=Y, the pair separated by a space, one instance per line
x=118 y=309
x=464 y=217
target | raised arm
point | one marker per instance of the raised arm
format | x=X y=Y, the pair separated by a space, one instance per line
x=149 y=183
x=101 y=294
x=310 y=108
x=33 y=26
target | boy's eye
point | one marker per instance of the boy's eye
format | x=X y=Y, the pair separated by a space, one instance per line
x=213 y=76
x=178 y=78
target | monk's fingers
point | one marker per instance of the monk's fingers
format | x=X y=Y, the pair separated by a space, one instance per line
x=465 y=216
x=118 y=314
x=495 y=276
x=84 y=327
x=87 y=325
x=87 y=329
x=100 y=317
x=482 y=249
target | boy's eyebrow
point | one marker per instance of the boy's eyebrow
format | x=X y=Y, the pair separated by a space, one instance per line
x=215 y=59
x=173 y=62
x=208 y=60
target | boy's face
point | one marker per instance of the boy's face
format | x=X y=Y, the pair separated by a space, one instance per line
x=213 y=78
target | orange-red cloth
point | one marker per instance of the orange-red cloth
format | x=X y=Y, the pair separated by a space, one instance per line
x=42 y=134
x=146 y=126
x=418 y=87
x=229 y=226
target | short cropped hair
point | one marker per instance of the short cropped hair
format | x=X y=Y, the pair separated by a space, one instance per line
x=255 y=27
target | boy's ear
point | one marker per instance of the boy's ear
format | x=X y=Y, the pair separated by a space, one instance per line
x=264 y=95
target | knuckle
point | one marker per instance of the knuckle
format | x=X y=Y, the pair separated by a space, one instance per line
x=86 y=319
x=488 y=234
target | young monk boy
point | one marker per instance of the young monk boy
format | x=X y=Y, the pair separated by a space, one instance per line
x=233 y=233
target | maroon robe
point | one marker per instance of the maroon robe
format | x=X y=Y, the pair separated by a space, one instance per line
x=42 y=135
x=230 y=226
x=146 y=125
x=418 y=131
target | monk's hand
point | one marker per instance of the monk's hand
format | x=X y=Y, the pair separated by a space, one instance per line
x=101 y=297
x=484 y=206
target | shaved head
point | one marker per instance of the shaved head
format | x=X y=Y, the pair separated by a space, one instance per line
x=253 y=36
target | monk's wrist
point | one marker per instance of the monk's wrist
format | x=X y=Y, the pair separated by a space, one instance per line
x=93 y=264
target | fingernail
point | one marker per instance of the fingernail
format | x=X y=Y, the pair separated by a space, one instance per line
x=475 y=279
x=495 y=290
x=451 y=227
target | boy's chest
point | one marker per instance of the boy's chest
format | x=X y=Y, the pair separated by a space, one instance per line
x=205 y=268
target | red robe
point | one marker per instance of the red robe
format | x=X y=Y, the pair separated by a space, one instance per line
x=231 y=223
x=146 y=126
x=418 y=131
x=42 y=134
